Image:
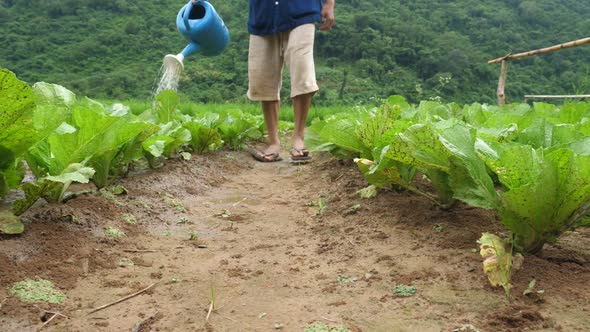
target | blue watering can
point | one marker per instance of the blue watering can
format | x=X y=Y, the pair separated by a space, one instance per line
x=200 y=24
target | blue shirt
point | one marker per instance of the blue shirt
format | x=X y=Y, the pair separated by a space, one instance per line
x=267 y=17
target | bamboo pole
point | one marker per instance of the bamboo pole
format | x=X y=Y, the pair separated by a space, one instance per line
x=527 y=97
x=502 y=84
x=511 y=56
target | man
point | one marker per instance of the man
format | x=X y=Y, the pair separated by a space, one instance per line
x=282 y=32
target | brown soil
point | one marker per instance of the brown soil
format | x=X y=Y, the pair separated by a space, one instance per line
x=270 y=256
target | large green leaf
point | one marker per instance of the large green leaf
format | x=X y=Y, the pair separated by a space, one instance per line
x=16 y=115
x=342 y=134
x=166 y=104
x=54 y=106
x=514 y=164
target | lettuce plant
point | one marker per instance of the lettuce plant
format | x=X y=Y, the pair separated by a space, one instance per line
x=16 y=129
x=546 y=191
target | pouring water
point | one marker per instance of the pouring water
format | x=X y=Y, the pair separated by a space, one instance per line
x=200 y=24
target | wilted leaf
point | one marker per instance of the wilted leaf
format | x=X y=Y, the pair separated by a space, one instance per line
x=10 y=224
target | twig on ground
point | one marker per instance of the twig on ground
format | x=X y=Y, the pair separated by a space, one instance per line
x=238 y=203
x=51 y=312
x=330 y=320
x=123 y=299
x=2 y=303
x=228 y=318
x=139 y=251
x=47 y=322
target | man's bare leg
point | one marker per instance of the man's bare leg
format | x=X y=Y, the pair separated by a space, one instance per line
x=301 y=106
x=270 y=110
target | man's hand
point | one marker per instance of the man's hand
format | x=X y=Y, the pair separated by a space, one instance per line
x=327 y=15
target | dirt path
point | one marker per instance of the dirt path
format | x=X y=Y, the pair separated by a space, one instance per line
x=274 y=259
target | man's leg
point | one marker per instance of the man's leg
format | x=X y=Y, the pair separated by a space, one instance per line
x=271 y=120
x=301 y=106
x=299 y=60
x=265 y=65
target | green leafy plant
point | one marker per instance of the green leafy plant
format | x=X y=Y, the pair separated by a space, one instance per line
x=404 y=291
x=321 y=327
x=129 y=218
x=39 y=290
x=547 y=192
x=114 y=232
x=16 y=128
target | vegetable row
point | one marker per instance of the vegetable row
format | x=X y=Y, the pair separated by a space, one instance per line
x=65 y=139
x=531 y=164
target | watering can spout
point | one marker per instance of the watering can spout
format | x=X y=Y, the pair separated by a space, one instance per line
x=191 y=48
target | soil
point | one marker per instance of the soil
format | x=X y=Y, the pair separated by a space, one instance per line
x=251 y=238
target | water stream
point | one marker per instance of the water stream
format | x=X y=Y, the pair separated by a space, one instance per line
x=169 y=75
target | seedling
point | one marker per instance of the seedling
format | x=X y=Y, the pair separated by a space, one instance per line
x=321 y=327
x=404 y=291
x=321 y=206
x=125 y=262
x=531 y=289
x=108 y=195
x=346 y=280
x=114 y=232
x=194 y=236
x=173 y=203
x=129 y=218
x=225 y=214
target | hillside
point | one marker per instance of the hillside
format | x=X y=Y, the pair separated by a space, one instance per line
x=113 y=48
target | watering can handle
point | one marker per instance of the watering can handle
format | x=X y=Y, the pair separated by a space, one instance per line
x=187 y=13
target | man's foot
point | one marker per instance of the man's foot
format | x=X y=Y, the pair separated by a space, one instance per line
x=268 y=156
x=300 y=155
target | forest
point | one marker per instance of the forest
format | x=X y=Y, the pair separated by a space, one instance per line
x=420 y=49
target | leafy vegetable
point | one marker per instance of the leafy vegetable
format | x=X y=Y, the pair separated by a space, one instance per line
x=52 y=188
x=16 y=130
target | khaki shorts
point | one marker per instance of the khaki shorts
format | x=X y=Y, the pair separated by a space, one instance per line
x=268 y=54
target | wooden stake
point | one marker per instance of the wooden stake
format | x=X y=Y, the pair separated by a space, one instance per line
x=123 y=299
x=526 y=97
x=502 y=84
x=574 y=43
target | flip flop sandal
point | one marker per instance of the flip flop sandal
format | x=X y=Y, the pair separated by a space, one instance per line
x=264 y=157
x=302 y=155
